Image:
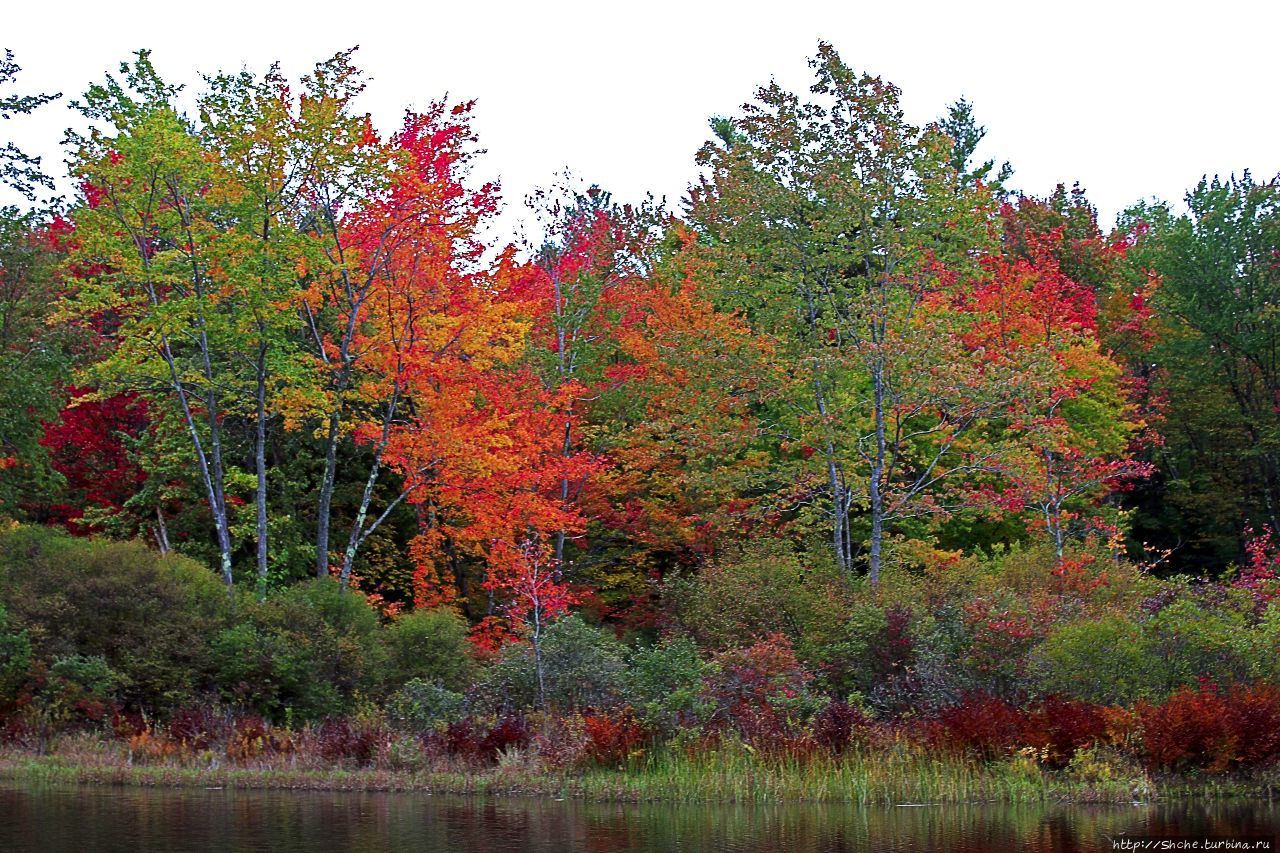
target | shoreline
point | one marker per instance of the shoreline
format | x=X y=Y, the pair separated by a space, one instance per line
x=925 y=782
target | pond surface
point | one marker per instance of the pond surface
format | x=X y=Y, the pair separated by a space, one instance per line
x=103 y=820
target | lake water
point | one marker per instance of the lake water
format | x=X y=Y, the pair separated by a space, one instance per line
x=105 y=820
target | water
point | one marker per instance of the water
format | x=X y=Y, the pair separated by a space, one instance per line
x=105 y=820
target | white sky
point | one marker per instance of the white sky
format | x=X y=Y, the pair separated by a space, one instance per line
x=1132 y=100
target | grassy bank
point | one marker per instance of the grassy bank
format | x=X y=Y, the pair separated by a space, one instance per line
x=729 y=774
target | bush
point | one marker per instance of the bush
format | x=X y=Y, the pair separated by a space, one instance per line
x=760 y=689
x=148 y=617
x=307 y=653
x=1108 y=661
x=876 y=646
x=430 y=645
x=837 y=726
x=1058 y=727
x=986 y=725
x=422 y=705
x=1212 y=730
x=473 y=739
x=582 y=668
x=1200 y=636
x=664 y=684
x=79 y=689
x=761 y=590
x=340 y=741
x=15 y=661
x=614 y=738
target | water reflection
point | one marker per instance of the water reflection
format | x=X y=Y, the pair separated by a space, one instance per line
x=105 y=820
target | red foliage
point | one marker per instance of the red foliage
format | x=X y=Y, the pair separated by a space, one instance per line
x=1211 y=729
x=747 y=678
x=471 y=739
x=196 y=728
x=982 y=723
x=613 y=738
x=87 y=446
x=1262 y=573
x=339 y=741
x=1059 y=726
x=837 y=726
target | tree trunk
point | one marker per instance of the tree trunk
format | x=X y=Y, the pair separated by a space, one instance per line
x=326 y=496
x=260 y=464
x=877 y=472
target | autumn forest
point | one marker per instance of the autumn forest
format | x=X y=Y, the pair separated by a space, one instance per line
x=856 y=450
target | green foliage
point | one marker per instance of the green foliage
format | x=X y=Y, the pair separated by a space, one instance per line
x=15 y=659
x=762 y=589
x=431 y=645
x=582 y=667
x=1216 y=300
x=304 y=653
x=663 y=684
x=1108 y=661
x=1194 y=638
x=89 y=676
x=149 y=617
x=422 y=705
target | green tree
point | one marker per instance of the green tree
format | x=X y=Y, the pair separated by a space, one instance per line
x=840 y=231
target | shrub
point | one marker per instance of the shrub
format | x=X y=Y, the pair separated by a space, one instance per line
x=1108 y=661
x=305 y=652
x=838 y=726
x=615 y=737
x=430 y=645
x=196 y=728
x=147 y=616
x=761 y=689
x=663 y=683
x=1058 y=727
x=422 y=705
x=876 y=647
x=473 y=739
x=251 y=736
x=1198 y=637
x=340 y=741
x=582 y=668
x=15 y=661
x=1213 y=730
x=761 y=590
x=983 y=724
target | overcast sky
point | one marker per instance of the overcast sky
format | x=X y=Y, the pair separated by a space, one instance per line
x=1132 y=99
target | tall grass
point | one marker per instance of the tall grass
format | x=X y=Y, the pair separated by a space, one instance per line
x=895 y=774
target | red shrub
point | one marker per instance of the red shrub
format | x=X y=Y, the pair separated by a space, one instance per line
x=896 y=647
x=746 y=679
x=613 y=738
x=1257 y=723
x=462 y=738
x=509 y=731
x=468 y=738
x=340 y=742
x=127 y=724
x=981 y=723
x=196 y=728
x=837 y=726
x=252 y=736
x=1212 y=730
x=1059 y=726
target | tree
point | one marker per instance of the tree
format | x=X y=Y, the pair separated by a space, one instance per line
x=1215 y=365
x=19 y=170
x=843 y=234
x=529 y=578
x=147 y=251
x=1073 y=442
x=967 y=134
